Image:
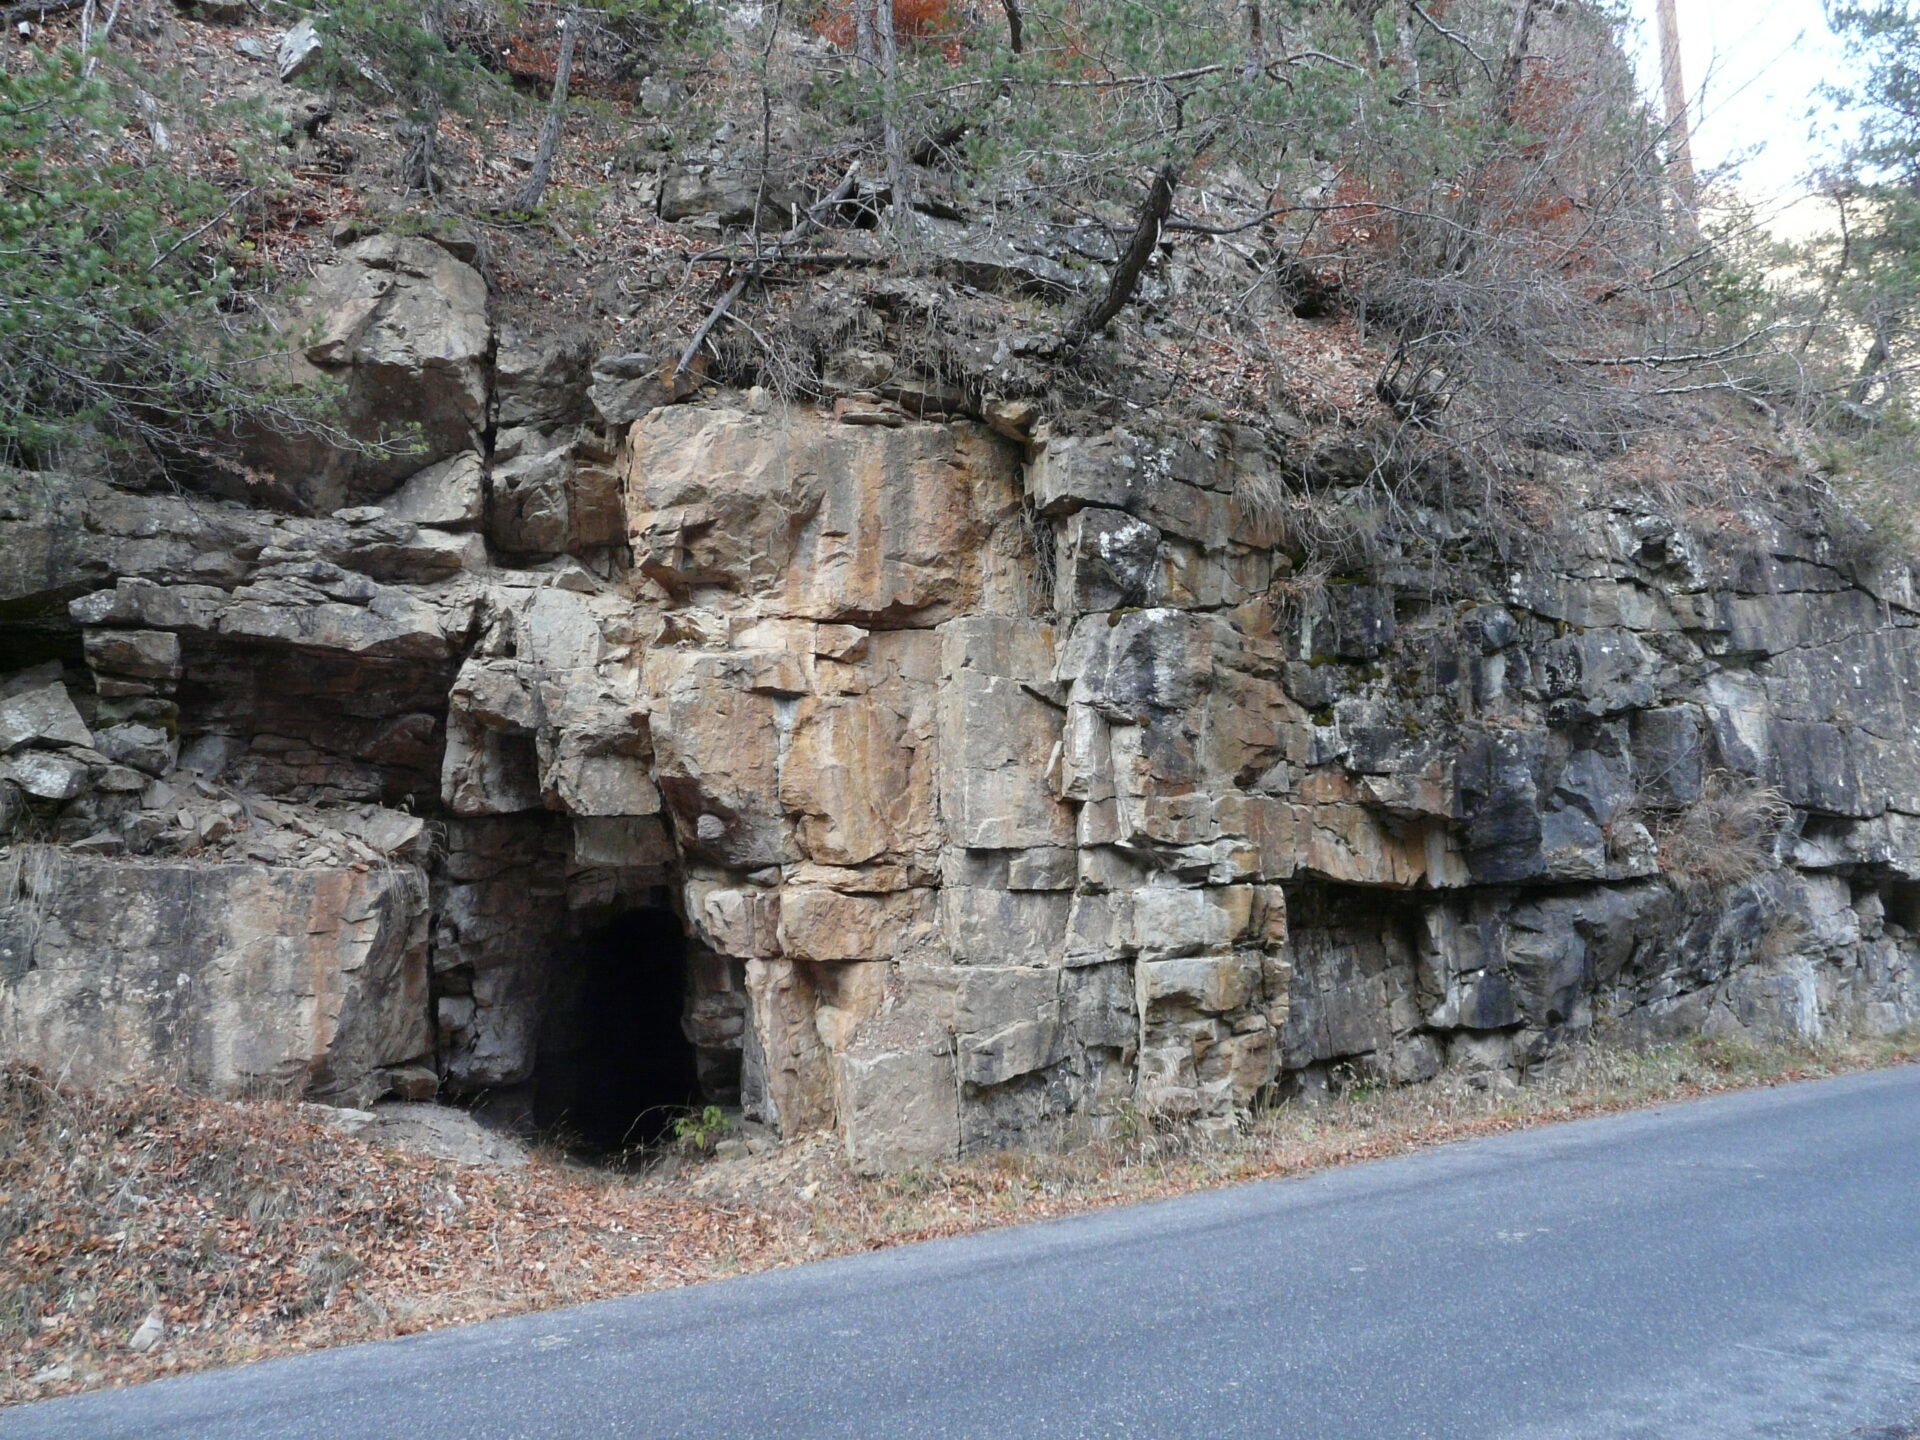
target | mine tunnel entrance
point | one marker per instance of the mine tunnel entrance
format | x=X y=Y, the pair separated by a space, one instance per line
x=616 y=1068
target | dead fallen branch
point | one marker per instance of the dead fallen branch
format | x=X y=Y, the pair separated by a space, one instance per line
x=757 y=266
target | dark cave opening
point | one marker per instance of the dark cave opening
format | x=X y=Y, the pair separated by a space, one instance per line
x=616 y=1068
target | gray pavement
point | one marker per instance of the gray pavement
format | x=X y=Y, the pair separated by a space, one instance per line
x=1744 y=1266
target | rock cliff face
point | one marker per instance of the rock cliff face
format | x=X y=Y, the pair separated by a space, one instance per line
x=994 y=779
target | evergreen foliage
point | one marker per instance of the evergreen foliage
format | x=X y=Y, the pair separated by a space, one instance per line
x=1875 y=272
x=119 y=299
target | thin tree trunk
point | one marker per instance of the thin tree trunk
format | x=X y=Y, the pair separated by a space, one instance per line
x=1016 y=27
x=1256 y=40
x=1409 y=46
x=1132 y=264
x=891 y=140
x=1877 y=356
x=863 y=31
x=535 y=189
x=1507 y=94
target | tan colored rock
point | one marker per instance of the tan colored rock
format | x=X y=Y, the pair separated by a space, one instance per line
x=718 y=744
x=836 y=523
x=822 y=924
x=997 y=735
x=411 y=320
x=744 y=923
x=861 y=772
x=789 y=1072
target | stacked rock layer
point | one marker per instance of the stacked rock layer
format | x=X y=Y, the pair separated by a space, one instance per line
x=1002 y=780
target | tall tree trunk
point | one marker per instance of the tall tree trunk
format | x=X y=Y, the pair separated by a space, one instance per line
x=536 y=187
x=1256 y=40
x=1016 y=26
x=1407 y=39
x=1673 y=89
x=894 y=144
x=1877 y=356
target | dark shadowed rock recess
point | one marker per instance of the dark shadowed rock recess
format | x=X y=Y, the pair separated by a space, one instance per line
x=907 y=778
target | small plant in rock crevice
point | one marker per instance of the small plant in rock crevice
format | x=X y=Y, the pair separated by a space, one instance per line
x=698 y=1131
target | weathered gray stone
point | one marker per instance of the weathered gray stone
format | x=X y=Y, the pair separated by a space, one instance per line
x=44 y=715
x=628 y=386
x=449 y=494
x=146 y=748
x=729 y=193
x=45 y=775
x=232 y=977
x=150 y=654
x=404 y=325
x=299 y=50
x=541 y=379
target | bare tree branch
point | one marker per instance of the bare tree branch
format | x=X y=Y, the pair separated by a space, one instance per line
x=1697 y=357
x=1171 y=77
x=1454 y=35
x=808 y=219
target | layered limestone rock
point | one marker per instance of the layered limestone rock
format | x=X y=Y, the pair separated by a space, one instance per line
x=997 y=786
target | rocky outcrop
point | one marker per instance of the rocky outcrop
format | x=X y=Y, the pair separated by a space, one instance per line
x=401 y=324
x=997 y=777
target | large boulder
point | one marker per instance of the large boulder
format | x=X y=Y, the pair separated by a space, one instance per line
x=231 y=978
x=403 y=326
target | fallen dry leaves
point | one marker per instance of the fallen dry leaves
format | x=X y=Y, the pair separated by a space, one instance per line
x=252 y=1229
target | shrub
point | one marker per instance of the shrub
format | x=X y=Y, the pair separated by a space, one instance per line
x=119 y=295
x=698 y=1131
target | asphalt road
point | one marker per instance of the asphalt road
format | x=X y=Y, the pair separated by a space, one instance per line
x=1744 y=1266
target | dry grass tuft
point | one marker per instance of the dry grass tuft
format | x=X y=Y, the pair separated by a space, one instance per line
x=1724 y=838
